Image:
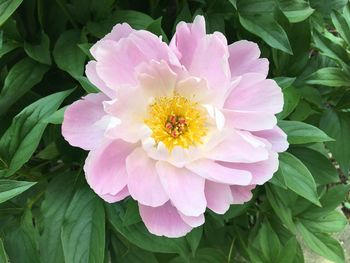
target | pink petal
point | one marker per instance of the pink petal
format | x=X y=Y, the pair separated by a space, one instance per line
x=105 y=167
x=116 y=197
x=194 y=88
x=215 y=172
x=193 y=221
x=157 y=79
x=164 y=220
x=204 y=56
x=210 y=62
x=79 y=125
x=184 y=188
x=244 y=58
x=186 y=39
x=276 y=137
x=131 y=126
x=241 y=194
x=117 y=61
x=119 y=31
x=249 y=120
x=144 y=183
x=261 y=171
x=219 y=196
x=239 y=146
x=257 y=94
x=91 y=74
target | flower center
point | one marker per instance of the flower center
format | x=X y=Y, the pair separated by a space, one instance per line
x=176 y=121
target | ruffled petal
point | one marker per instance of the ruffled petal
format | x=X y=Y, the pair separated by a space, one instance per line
x=164 y=220
x=130 y=126
x=241 y=194
x=193 y=221
x=239 y=146
x=244 y=58
x=117 y=61
x=80 y=126
x=219 y=196
x=91 y=74
x=276 y=137
x=256 y=94
x=204 y=56
x=215 y=172
x=186 y=39
x=210 y=61
x=143 y=182
x=119 y=31
x=184 y=188
x=105 y=167
x=116 y=197
x=249 y=120
x=261 y=172
x=156 y=79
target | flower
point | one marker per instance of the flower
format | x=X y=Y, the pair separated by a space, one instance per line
x=179 y=127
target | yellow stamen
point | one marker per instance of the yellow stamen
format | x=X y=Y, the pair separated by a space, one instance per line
x=176 y=121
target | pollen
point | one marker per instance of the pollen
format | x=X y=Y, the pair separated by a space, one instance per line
x=176 y=121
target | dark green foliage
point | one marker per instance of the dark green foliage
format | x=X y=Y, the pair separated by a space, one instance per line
x=49 y=214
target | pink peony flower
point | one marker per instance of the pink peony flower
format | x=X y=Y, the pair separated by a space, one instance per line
x=180 y=127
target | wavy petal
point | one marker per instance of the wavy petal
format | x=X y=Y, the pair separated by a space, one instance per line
x=241 y=194
x=215 y=172
x=105 y=167
x=219 y=196
x=244 y=58
x=144 y=182
x=164 y=220
x=79 y=125
x=185 y=189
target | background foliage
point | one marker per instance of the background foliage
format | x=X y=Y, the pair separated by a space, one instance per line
x=49 y=214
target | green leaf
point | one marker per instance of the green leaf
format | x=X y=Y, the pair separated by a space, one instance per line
x=7 y=7
x=135 y=19
x=156 y=28
x=320 y=167
x=57 y=197
x=132 y=215
x=11 y=188
x=139 y=235
x=288 y=252
x=332 y=222
x=331 y=77
x=194 y=238
x=330 y=48
x=21 y=242
x=68 y=56
x=342 y=23
x=329 y=201
x=7 y=47
x=83 y=230
x=295 y=10
x=86 y=84
x=21 y=139
x=298 y=178
x=326 y=6
x=322 y=244
x=337 y=125
x=267 y=242
x=300 y=132
x=3 y=256
x=39 y=51
x=257 y=16
x=279 y=205
x=291 y=99
x=20 y=79
x=204 y=255
x=57 y=116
